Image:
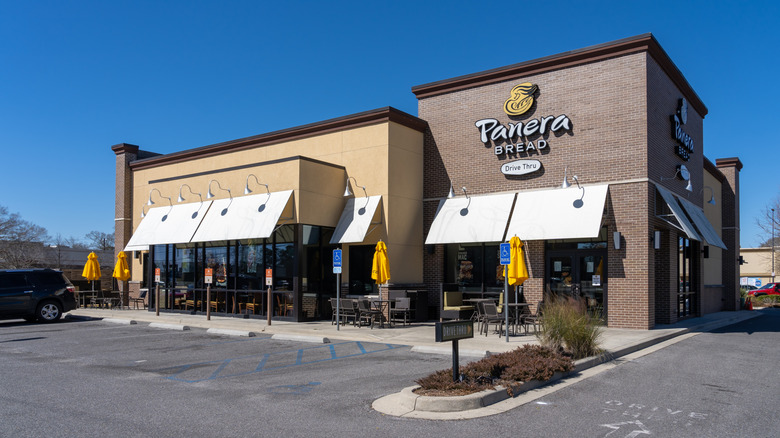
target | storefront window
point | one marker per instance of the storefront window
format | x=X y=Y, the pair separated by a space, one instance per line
x=360 y=259
x=251 y=266
x=686 y=268
x=474 y=267
x=217 y=260
x=284 y=260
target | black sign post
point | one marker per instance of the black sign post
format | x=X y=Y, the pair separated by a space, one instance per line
x=453 y=331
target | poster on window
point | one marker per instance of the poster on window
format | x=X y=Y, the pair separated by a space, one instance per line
x=597 y=280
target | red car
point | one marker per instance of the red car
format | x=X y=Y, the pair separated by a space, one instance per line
x=767 y=289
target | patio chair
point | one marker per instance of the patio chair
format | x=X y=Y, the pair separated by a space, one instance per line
x=402 y=308
x=366 y=313
x=492 y=317
x=534 y=319
x=141 y=298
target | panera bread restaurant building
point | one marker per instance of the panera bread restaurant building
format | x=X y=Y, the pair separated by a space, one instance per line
x=594 y=158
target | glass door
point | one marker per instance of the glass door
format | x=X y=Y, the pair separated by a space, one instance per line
x=591 y=279
x=581 y=275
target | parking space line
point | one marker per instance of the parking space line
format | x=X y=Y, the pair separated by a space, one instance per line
x=219 y=369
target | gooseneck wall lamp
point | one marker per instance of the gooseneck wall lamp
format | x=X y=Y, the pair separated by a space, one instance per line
x=181 y=198
x=712 y=194
x=246 y=187
x=210 y=194
x=683 y=173
x=150 y=202
x=348 y=193
x=565 y=184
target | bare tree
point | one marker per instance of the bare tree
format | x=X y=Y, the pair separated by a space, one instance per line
x=99 y=240
x=21 y=242
x=769 y=223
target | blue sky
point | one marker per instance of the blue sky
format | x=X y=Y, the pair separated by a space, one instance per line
x=80 y=76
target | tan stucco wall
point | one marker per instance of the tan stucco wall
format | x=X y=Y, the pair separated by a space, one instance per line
x=758 y=263
x=385 y=157
x=712 y=267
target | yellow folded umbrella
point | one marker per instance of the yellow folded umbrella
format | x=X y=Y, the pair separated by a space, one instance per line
x=380 y=270
x=121 y=270
x=91 y=268
x=518 y=272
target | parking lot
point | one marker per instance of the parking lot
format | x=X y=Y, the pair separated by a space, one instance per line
x=94 y=378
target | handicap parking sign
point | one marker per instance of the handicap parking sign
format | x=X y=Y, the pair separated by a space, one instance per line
x=505 y=254
x=336 y=258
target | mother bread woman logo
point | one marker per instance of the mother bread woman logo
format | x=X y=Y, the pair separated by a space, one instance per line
x=521 y=98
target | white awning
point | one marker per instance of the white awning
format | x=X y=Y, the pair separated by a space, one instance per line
x=472 y=219
x=246 y=217
x=572 y=213
x=165 y=225
x=357 y=217
x=679 y=214
x=703 y=224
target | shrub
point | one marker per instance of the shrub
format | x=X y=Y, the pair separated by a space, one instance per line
x=529 y=362
x=568 y=327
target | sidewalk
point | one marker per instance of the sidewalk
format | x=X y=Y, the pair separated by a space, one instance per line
x=617 y=342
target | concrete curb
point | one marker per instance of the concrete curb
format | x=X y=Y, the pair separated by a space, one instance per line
x=300 y=338
x=427 y=349
x=163 y=325
x=407 y=402
x=228 y=332
x=119 y=321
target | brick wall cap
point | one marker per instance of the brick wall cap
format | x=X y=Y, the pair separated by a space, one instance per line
x=729 y=162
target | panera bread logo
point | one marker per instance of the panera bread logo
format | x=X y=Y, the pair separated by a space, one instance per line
x=521 y=99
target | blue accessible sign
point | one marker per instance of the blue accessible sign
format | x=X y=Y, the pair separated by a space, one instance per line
x=337 y=261
x=505 y=254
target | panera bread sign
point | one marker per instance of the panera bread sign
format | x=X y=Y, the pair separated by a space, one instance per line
x=520 y=139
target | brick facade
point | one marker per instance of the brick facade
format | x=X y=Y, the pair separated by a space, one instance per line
x=619 y=99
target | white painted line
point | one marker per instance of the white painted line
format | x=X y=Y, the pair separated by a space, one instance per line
x=300 y=338
x=163 y=325
x=228 y=332
x=119 y=321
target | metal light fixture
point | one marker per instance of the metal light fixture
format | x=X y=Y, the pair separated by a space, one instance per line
x=181 y=198
x=451 y=193
x=684 y=174
x=210 y=194
x=246 y=187
x=712 y=195
x=150 y=202
x=348 y=192
x=565 y=184
x=464 y=192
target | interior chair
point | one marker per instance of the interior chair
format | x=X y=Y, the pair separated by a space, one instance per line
x=254 y=306
x=283 y=307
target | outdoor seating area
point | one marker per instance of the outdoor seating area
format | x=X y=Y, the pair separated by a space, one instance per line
x=372 y=311
x=487 y=309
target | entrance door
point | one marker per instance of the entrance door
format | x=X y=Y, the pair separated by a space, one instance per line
x=580 y=274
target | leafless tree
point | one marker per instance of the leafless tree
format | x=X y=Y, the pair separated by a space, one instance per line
x=99 y=240
x=21 y=242
x=769 y=223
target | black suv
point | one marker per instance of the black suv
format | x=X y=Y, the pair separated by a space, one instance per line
x=35 y=294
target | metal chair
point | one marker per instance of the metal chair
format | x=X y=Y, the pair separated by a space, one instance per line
x=366 y=313
x=402 y=308
x=492 y=317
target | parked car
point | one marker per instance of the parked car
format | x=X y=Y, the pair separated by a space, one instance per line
x=767 y=289
x=35 y=294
